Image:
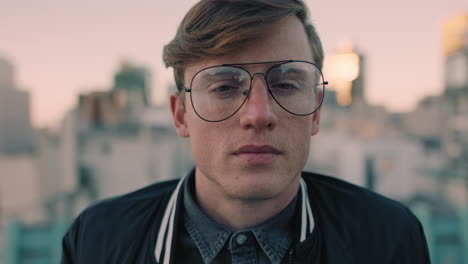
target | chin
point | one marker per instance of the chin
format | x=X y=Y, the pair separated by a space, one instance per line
x=258 y=190
x=254 y=196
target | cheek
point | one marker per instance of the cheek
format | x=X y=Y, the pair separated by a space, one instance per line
x=299 y=135
x=300 y=126
x=207 y=139
x=201 y=148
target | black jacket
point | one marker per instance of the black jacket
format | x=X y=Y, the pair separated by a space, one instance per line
x=352 y=225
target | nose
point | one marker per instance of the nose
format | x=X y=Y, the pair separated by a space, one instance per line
x=257 y=112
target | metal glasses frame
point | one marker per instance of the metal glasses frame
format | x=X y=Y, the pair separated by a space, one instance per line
x=237 y=65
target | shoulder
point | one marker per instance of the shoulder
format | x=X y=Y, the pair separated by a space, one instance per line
x=150 y=197
x=118 y=222
x=142 y=205
x=368 y=224
x=345 y=197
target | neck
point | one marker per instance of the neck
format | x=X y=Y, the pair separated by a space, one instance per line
x=242 y=213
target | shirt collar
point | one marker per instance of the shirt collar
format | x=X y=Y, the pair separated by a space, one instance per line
x=274 y=236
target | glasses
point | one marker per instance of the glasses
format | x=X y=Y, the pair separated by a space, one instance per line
x=218 y=92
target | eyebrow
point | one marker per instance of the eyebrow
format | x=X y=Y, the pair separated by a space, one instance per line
x=220 y=75
x=253 y=63
x=292 y=72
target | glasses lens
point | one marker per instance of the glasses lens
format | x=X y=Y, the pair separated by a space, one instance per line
x=218 y=92
x=296 y=86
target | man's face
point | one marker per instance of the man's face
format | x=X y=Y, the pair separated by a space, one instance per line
x=259 y=152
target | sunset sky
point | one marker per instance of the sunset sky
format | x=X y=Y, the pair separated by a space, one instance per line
x=61 y=48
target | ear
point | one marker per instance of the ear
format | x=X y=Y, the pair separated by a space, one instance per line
x=178 y=114
x=316 y=121
x=316 y=118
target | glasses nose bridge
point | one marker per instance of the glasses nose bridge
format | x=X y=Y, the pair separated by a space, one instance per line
x=252 y=76
x=263 y=75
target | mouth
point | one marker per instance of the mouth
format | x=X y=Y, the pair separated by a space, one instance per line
x=257 y=155
x=253 y=149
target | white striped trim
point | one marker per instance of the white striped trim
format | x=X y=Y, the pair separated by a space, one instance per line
x=168 y=219
x=307 y=219
x=167 y=225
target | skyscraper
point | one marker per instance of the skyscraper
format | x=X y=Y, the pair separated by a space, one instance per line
x=344 y=70
x=16 y=134
x=6 y=74
x=455 y=44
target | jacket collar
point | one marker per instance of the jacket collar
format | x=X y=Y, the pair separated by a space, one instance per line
x=165 y=239
x=331 y=242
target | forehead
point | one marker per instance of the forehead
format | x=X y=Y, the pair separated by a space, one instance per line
x=283 y=40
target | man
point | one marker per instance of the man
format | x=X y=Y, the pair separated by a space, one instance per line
x=250 y=91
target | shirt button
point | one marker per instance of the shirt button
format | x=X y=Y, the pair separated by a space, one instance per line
x=241 y=239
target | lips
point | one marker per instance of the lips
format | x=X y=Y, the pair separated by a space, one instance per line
x=257 y=156
x=253 y=149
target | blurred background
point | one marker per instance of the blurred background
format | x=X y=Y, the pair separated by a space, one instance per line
x=84 y=111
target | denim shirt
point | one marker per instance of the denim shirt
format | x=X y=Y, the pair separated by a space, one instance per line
x=205 y=241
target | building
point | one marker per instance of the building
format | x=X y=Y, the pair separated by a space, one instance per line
x=19 y=194
x=134 y=80
x=101 y=109
x=100 y=162
x=123 y=105
x=119 y=160
x=455 y=43
x=345 y=72
x=16 y=133
x=6 y=74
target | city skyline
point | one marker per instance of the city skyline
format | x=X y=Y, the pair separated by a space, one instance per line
x=62 y=49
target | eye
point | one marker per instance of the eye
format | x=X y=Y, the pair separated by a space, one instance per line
x=284 y=88
x=224 y=88
x=224 y=91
